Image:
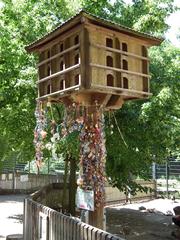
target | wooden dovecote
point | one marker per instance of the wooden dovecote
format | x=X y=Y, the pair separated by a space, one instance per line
x=91 y=61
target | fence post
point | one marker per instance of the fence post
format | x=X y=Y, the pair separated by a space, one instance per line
x=154 y=171
x=25 y=220
x=29 y=166
x=14 y=176
x=167 y=178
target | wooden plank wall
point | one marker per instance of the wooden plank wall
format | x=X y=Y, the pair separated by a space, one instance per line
x=58 y=226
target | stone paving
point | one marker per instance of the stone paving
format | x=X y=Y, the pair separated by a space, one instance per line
x=11 y=215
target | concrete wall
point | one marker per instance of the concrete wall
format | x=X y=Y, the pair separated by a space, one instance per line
x=26 y=182
x=31 y=182
x=113 y=195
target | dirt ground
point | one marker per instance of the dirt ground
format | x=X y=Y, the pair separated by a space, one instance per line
x=152 y=223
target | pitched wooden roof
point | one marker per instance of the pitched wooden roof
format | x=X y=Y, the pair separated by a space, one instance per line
x=79 y=18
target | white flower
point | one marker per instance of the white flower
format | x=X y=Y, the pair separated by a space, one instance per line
x=48 y=146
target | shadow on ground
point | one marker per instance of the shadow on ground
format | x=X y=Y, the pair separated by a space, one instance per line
x=18 y=217
x=136 y=225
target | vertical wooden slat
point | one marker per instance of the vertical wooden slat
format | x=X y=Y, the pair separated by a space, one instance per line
x=47 y=223
x=67 y=227
x=61 y=228
x=118 y=64
x=58 y=225
x=25 y=225
x=99 y=233
x=24 y=218
x=94 y=234
x=50 y=225
x=64 y=228
x=54 y=225
x=54 y=220
x=103 y=236
x=84 y=53
x=26 y=222
x=31 y=222
x=75 y=231
x=70 y=229
x=90 y=231
x=37 y=209
x=84 y=232
x=79 y=233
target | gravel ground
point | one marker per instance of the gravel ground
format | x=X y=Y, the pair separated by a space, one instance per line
x=129 y=222
x=11 y=215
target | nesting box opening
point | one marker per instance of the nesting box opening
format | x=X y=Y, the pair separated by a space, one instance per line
x=124 y=47
x=109 y=42
x=125 y=64
x=93 y=58
x=110 y=80
x=125 y=83
x=109 y=61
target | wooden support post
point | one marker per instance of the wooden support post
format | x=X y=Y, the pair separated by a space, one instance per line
x=92 y=160
x=84 y=53
x=96 y=218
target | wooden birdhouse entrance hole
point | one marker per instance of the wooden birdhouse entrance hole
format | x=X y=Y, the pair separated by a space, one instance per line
x=88 y=60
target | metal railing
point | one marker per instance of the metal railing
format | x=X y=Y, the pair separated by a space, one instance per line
x=167 y=177
x=171 y=168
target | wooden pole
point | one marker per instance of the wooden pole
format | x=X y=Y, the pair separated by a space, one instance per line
x=96 y=218
x=93 y=162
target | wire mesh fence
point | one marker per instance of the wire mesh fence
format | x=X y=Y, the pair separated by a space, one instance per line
x=168 y=178
x=50 y=166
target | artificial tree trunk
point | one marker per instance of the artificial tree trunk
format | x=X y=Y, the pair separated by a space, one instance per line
x=92 y=160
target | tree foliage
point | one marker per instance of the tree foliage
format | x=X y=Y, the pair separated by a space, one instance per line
x=22 y=22
x=150 y=128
